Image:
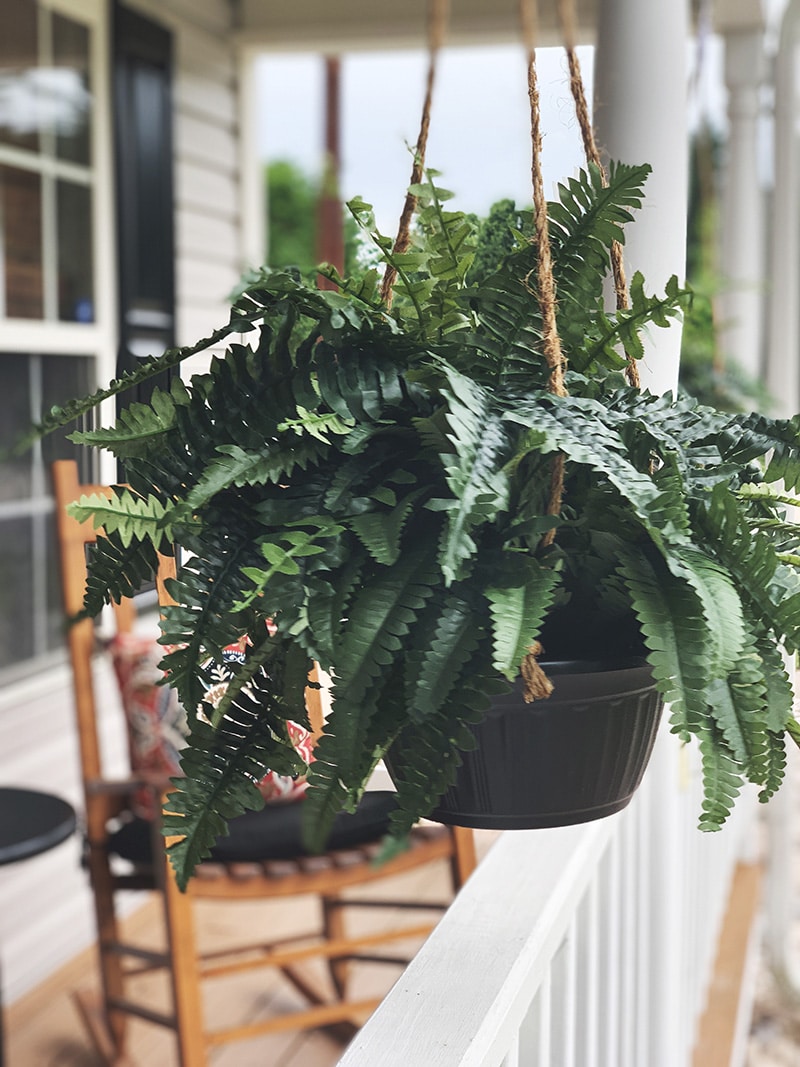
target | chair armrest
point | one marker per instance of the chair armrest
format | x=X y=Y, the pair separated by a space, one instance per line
x=107 y=798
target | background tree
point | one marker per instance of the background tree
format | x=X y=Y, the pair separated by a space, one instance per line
x=292 y=219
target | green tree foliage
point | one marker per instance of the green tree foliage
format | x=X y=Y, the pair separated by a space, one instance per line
x=293 y=220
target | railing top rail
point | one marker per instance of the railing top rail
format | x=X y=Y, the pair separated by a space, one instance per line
x=469 y=986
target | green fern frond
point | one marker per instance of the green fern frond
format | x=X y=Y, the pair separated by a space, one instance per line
x=203 y=621
x=431 y=753
x=117 y=571
x=285 y=553
x=222 y=766
x=379 y=619
x=722 y=781
x=518 y=612
x=562 y=425
x=240 y=322
x=779 y=699
x=756 y=437
x=736 y=704
x=380 y=531
x=774 y=767
x=624 y=329
x=444 y=642
x=131 y=517
x=675 y=632
x=722 y=608
x=771 y=591
x=474 y=473
x=139 y=426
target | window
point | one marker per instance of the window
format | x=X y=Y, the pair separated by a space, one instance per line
x=30 y=611
x=45 y=171
x=55 y=331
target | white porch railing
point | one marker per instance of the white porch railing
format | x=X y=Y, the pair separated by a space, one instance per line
x=587 y=946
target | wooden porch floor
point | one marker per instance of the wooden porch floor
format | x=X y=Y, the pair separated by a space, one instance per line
x=43 y=1029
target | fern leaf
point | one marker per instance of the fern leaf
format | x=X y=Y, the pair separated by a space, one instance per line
x=138 y=426
x=475 y=478
x=116 y=572
x=562 y=425
x=129 y=516
x=518 y=612
x=379 y=619
x=380 y=531
x=722 y=782
x=722 y=608
x=676 y=634
x=444 y=645
x=222 y=765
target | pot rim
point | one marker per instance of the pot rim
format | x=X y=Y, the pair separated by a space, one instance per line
x=633 y=661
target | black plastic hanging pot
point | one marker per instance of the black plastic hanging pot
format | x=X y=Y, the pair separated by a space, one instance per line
x=576 y=756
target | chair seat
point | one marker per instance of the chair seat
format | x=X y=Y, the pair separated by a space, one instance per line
x=274 y=833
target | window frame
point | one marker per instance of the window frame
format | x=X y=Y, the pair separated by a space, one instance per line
x=49 y=336
x=97 y=341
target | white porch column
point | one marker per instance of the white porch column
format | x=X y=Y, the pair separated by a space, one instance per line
x=640 y=117
x=783 y=353
x=783 y=382
x=253 y=193
x=742 y=251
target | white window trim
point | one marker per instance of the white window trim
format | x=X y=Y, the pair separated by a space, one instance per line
x=98 y=339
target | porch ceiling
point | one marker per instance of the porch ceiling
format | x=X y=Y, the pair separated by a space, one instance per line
x=733 y=15
x=354 y=24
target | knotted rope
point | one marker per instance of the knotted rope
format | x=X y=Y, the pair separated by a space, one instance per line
x=545 y=283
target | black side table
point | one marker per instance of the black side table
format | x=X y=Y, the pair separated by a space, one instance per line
x=30 y=822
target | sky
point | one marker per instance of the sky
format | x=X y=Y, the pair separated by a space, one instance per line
x=479 y=134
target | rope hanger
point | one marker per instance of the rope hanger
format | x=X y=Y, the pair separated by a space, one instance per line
x=438 y=13
x=545 y=289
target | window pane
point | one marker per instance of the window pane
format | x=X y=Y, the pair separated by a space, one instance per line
x=19 y=74
x=75 y=289
x=71 y=78
x=30 y=612
x=15 y=418
x=16 y=607
x=63 y=377
x=21 y=242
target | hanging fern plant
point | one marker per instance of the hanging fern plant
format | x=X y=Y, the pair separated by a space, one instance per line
x=376 y=484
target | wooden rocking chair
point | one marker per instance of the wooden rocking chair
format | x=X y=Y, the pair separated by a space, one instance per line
x=261 y=871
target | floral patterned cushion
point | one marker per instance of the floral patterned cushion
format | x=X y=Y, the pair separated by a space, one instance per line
x=157 y=724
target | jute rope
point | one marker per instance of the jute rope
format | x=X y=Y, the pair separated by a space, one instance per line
x=566 y=15
x=438 y=12
x=545 y=284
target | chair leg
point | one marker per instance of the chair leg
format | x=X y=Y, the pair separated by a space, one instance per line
x=463 y=861
x=110 y=963
x=335 y=928
x=185 y=973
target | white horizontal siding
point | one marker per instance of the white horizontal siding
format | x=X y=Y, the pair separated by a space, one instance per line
x=203 y=237
x=203 y=142
x=206 y=282
x=200 y=187
x=196 y=94
x=207 y=190
x=211 y=17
